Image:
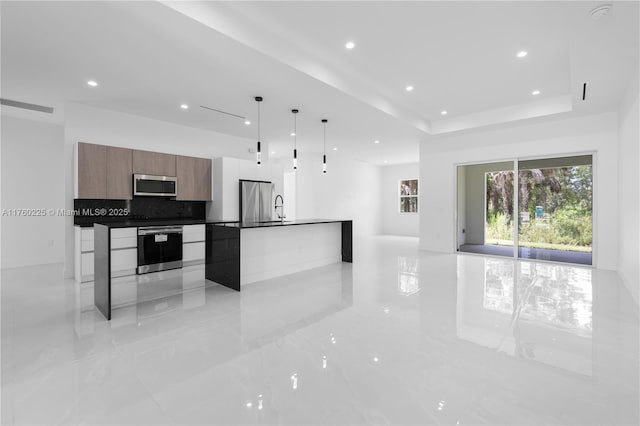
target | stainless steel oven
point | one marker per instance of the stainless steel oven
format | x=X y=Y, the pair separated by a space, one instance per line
x=159 y=248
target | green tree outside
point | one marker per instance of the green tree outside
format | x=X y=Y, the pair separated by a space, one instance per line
x=565 y=195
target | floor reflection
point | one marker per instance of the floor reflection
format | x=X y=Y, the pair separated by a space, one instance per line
x=293 y=303
x=536 y=311
x=143 y=300
x=408 y=275
x=400 y=336
x=561 y=296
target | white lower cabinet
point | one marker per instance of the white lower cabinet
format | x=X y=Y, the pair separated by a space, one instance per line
x=193 y=251
x=83 y=258
x=192 y=233
x=86 y=265
x=124 y=262
x=124 y=251
x=87 y=239
x=118 y=243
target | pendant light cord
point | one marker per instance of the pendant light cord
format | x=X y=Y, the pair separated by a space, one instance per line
x=258 y=121
x=295 y=130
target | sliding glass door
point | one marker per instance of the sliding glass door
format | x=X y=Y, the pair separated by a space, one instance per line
x=485 y=208
x=555 y=197
x=543 y=204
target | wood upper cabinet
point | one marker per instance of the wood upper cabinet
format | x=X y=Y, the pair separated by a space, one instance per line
x=119 y=173
x=154 y=163
x=92 y=171
x=194 y=178
x=106 y=172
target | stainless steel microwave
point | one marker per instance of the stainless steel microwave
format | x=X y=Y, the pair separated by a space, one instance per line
x=158 y=186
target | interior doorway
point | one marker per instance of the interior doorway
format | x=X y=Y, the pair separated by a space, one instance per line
x=533 y=209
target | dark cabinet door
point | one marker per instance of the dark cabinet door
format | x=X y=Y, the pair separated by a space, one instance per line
x=194 y=178
x=92 y=170
x=119 y=173
x=154 y=163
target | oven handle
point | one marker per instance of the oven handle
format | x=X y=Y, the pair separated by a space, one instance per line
x=152 y=231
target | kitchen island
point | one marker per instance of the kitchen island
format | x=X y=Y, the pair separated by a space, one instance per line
x=237 y=253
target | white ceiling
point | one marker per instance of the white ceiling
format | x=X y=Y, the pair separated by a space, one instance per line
x=150 y=57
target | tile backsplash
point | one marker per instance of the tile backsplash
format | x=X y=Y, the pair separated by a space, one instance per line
x=88 y=211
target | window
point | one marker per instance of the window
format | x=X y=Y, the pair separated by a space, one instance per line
x=409 y=196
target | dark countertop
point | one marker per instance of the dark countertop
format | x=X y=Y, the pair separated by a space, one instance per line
x=245 y=225
x=148 y=222
x=275 y=223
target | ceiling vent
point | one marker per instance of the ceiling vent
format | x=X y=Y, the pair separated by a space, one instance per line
x=600 y=11
x=24 y=105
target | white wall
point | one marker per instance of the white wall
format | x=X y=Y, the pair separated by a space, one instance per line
x=629 y=187
x=94 y=125
x=226 y=175
x=394 y=222
x=349 y=190
x=289 y=194
x=32 y=178
x=552 y=137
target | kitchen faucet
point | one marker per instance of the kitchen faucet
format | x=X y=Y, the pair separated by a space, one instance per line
x=275 y=207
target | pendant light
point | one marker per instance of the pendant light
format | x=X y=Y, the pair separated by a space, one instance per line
x=258 y=153
x=295 y=137
x=324 y=146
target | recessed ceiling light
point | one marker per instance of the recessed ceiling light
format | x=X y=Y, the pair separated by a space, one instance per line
x=247 y=122
x=92 y=83
x=385 y=161
x=535 y=92
x=408 y=88
x=184 y=106
x=350 y=45
x=273 y=152
x=521 y=54
x=293 y=134
x=443 y=112
x=335 y=149
x=376 y=141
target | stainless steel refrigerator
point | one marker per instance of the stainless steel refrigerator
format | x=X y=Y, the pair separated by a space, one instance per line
x=256 y=201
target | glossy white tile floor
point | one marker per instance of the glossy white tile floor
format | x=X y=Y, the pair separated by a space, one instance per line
x=399 y=337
